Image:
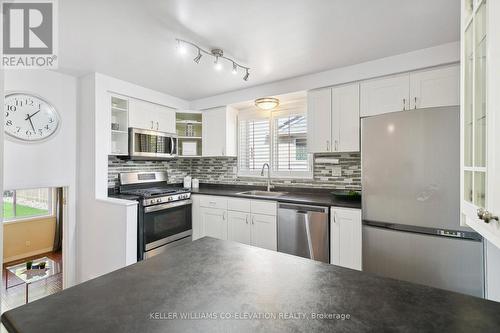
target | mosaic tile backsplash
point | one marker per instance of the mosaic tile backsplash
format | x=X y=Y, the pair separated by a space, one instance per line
x=346 y=174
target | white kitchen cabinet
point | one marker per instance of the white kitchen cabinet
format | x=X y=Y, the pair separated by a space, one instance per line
x=196 y=217
x=319 y=110
x=220 y=131
x=345 y=237
x=247 y=221
x=164 y=118
x=151 y=116
x=435 y=87
x=384 y=95
x=140 y=114
x=333 y=119
x=239 y=227
x=264 y=231
x=345 y=118
x=214 y=222
x=415 y=90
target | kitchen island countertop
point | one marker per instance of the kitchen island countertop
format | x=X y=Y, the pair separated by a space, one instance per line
x=223 y=286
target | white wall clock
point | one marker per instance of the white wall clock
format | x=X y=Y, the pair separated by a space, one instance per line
x=29 y=117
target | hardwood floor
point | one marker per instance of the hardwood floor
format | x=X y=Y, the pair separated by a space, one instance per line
x=15 y=295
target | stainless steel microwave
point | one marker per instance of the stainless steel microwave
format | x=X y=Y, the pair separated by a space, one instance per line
x=149 y=144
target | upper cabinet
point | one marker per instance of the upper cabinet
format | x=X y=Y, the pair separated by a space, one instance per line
x=333 y=119
x=383 y=95
x=345 y=118
x=220 y=131
x=119 y=125
x=415 y=90
x=435 y=87
x=480 y=116
x=151 y=116
x=319 y=112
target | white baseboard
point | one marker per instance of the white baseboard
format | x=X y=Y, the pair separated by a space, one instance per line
x=27 y=254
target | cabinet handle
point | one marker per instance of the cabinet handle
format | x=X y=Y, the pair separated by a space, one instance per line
x=253 y=219
x=152 y=124
x=404 y=104
x=157 y=125
x=224 y=216
x=486 y=216
x=334 y=217
x=336 y=145
x=246 y=219
x=415 y=105
x=327 y=145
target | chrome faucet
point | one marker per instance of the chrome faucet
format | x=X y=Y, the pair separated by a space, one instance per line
x=269 y=186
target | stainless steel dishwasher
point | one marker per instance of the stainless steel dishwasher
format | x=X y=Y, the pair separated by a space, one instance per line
x=303 y=231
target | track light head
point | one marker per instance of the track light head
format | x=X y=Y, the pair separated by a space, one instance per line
x=197 y=58
x=217 y=64
x=247 y=74
x=235 y=69
x=181 y=48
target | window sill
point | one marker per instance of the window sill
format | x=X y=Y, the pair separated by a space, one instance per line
x=273 y=178
x=28 y=219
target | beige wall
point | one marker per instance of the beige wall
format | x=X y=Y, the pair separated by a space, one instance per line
x=23 y=239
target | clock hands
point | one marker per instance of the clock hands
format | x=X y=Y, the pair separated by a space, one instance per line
x=28 y=117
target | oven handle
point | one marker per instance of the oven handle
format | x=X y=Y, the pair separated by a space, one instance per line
x=156 y=208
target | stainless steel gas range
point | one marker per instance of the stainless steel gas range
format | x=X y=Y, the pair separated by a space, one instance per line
x=164 y=212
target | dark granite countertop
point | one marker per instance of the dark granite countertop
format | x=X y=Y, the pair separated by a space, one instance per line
x=209 y=279
x=309 y=196
x=318 y=197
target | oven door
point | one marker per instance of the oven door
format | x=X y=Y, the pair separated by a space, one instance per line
x=166 y=223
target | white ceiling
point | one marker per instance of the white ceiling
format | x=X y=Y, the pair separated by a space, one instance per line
x=135 y=40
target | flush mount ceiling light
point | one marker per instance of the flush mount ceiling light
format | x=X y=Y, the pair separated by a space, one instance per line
x=217 y=54
x=267 y=103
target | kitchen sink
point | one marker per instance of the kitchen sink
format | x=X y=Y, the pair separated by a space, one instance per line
x=262 y=193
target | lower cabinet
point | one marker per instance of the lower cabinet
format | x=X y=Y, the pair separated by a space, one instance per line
x=242 y=222
x=345 y=237
x=239 y=227
x=263 y=232
x=214 y=222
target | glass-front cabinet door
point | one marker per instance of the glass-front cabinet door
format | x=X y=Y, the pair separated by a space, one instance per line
x=480 y=114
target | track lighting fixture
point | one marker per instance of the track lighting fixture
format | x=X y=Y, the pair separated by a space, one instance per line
x=218 y=55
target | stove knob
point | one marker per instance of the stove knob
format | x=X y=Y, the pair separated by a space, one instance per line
x=158 y=200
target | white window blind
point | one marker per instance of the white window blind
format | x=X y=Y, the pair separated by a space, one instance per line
x=254 y=144
x=277 y=137
x=290 y=143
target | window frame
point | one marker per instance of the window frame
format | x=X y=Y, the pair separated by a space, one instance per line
x=254 y=114
x=50 y=204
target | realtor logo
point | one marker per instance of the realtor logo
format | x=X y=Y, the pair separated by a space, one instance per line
x=29 y=34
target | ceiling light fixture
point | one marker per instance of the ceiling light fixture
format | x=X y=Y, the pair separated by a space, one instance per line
x=218 y=54
x=267 y=103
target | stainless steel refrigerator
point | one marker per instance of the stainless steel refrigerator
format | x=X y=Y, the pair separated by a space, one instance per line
x=411 y=201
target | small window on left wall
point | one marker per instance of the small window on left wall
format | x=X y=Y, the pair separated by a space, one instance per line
x=27 y=203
